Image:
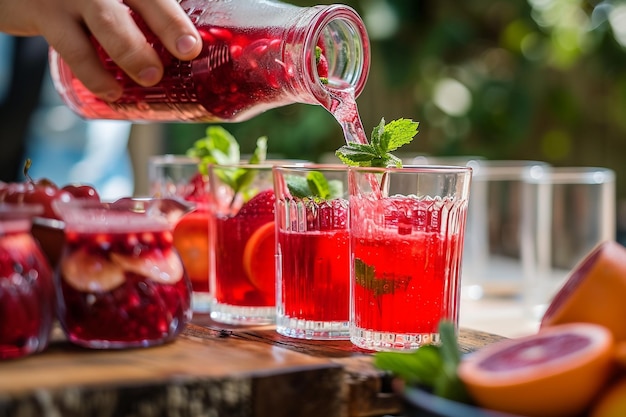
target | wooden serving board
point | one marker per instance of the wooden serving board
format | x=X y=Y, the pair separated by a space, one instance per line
x=210 y=370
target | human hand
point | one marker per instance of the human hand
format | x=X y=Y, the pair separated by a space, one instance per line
x=66 y=25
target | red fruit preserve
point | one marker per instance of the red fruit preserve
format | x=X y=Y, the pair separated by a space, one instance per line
x=120 y=281
x=255 y=56
x=26 y=287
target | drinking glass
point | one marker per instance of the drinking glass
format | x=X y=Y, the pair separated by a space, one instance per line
x=313 y=256
x=243 y=242
x=407 y=227
x=567 y=212
x=178 y=176
x=492 y=265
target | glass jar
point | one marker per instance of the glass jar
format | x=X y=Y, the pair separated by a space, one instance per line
x=120 y=281
x=256 y=55
x=26 y=288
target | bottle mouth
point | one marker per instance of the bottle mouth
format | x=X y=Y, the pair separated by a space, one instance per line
x=341 y=35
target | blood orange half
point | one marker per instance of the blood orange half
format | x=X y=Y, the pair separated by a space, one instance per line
x=594 y=292
x=556 y=372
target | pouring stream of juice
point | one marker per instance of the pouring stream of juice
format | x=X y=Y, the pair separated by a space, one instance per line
x=343 y=107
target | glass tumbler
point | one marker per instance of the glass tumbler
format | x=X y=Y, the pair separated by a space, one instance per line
x=407 y=227
x=243 y=239
x=313 y=256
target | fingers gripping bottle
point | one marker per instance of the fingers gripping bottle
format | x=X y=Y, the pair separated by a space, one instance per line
x=256 y=55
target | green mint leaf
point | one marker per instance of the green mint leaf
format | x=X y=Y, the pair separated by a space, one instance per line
x=243 y=177
x=298 y=186
x=318 y=184
x=318 y=54
x=217 y=147
x=399 y=133
x=430 y=366
x=314 y=185
x=336 y=188
x=357 y=154
x=385 y=138
x=417 y=368
x=378 y=139
x=260 y=152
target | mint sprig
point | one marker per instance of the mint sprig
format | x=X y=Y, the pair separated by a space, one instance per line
x=432 y=367
x=220 y=147
x=314 y=185
x=385 y=139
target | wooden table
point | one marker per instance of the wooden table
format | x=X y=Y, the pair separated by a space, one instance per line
x=210 y=370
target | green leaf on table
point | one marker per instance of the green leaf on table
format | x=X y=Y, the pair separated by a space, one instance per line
x=430 y=366
x=385 y=139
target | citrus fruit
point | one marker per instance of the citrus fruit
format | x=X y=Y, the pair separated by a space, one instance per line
x=259 y=258
x=594 y=292
x=612 y=401
x=555 y=372
x=191 y=240
x=164 y=268
x=90 y=273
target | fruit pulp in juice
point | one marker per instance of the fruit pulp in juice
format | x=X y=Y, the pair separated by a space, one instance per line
x=406 y=280
x=120 y=288
x=237 y=69
x=235 y=283
x=315 y=275
x=26 y=296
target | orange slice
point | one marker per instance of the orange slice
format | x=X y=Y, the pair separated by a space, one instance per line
x=259 y=258
x=191 y=239
x=555 y=372
x=594 y=292
x=89 y=273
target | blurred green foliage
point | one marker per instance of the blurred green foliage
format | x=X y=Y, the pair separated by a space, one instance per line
x=503 y=79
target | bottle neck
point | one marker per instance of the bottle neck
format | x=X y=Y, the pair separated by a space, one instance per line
x=342 y=39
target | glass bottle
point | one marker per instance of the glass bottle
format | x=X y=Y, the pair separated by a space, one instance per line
x=256 y=55
x=27 y=300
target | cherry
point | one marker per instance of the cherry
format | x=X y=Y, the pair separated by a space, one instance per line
x=82 y=191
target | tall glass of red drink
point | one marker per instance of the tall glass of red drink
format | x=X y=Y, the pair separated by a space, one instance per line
x=313 y=257
x=242 y=240
x=407 y=226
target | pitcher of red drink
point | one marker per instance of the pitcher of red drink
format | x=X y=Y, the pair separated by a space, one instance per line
x=120 y=281
x=256 y=55
x=26 y=288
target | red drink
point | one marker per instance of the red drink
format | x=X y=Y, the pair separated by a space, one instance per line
x=26 y=288
x=315 y=275
x=406 y=254
x=244 y=282
x=120 y=281
x=313 y=252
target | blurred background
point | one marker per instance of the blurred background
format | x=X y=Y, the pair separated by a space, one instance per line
x=501 y=79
